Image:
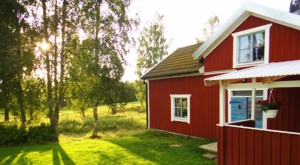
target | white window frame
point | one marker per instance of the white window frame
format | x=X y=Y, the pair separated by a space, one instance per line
x=266 y=29
x=180 y=119
x=265 y=96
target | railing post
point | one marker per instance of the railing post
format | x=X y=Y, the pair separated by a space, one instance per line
x=253 y=100
x=222 y=104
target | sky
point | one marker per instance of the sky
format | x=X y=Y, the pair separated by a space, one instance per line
x=185 y=19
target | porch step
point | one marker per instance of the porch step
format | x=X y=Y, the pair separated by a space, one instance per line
x=210 y=156
x=210 y=147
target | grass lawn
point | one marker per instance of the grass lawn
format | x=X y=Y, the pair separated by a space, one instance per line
x=124 y=140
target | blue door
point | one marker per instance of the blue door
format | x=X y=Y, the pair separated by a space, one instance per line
x=240 y=104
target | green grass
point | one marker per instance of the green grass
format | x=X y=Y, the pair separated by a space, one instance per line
x=149 y=147
x=124 y=140
x=130 y=118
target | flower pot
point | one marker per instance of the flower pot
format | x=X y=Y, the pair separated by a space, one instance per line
x=271 y=113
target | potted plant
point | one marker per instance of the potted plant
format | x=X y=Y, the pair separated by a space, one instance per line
x=270 y=107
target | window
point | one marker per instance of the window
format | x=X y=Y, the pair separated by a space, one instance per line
x=180 y=108
x=251 y=47
x=240 y=106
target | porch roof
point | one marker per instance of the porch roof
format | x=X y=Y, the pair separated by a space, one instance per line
x=268 y=72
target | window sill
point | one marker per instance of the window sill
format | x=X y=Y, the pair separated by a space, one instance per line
x=184 y=120
x=249 y=64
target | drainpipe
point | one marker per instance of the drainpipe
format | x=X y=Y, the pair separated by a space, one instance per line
x=146 y=82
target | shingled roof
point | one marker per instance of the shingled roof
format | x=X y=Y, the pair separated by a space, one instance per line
x=179 y=62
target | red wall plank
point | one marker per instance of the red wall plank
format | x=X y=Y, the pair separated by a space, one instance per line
x=266 y=148
x=286 y=149
x=242 y=146
x=258 y=146
x=235 y=146
x=275 y=148
x=250 y=142
x=228 y=142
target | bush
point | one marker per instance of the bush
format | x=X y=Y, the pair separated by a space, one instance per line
x=71 y=125
x=12 y=135
x=40 y=134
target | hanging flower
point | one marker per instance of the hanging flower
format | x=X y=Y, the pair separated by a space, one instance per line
x=269 y=105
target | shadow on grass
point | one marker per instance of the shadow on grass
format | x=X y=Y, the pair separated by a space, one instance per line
x=58 y=150
x=20 y=154
x=157 y=147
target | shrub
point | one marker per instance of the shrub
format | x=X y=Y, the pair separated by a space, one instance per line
x=12 y=135
x=40 y=134
x=70 y=125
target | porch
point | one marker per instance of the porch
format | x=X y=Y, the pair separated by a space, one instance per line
x=278 y=141
x=241 y=143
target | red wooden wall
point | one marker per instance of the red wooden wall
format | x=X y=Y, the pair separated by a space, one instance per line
x=204 y=105
x=256 y=147
x=288 y=116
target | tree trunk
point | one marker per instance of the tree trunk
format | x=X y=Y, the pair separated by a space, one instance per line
x=56 y=84
x=82 y=112
x=6 y=114
x=95 y=131
x=20 y=72
x=48 y=68
x=21 y=101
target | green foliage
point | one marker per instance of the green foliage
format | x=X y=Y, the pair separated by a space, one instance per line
x=152 y=48
x=140 y=86
x=40 y=134
x=12 y=134
x=209 y=28
x=35 y=100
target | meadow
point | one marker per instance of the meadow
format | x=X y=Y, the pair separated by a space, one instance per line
x=123 y=140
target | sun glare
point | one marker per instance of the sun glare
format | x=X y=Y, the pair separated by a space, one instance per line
x=44 y=45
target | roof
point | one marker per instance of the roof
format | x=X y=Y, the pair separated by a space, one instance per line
x=247 y=9
x=179 y=62
x=268 y=72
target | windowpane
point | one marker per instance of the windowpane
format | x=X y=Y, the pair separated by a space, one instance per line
x=247 y=93
x=244 y=56
x=258 y=46
x=184 y=112
x=177 y=102
x=177 y=112
x=259 y=39
x=244 y=42
x=184 y=103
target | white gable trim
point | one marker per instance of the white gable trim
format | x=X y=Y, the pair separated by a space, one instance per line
x=246 y=10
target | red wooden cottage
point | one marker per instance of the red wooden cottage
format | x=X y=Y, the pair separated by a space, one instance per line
x=178 y=100
x=255 y=55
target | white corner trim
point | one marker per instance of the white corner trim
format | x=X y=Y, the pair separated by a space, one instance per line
x=252 y=30
x=201 y=70
x=148 y=104
x=173 y=118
